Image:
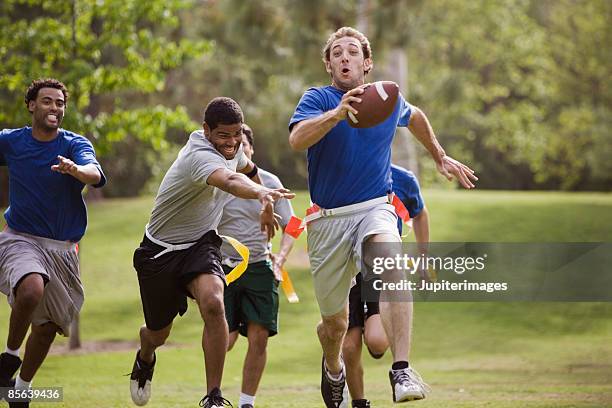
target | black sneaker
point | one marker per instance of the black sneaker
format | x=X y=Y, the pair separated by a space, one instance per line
x=19 y=404
x=140 y=380
x=334 y=393
x=246 y=406
x=9 y=364
x=214 y=399
x=361 y=403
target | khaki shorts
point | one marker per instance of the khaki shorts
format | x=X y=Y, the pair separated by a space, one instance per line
x=58 y=263
x=334 y=248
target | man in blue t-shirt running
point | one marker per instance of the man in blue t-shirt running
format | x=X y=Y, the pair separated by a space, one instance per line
x=39 y=267
x=352 y=167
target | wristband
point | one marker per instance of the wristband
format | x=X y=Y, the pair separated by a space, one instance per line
x=253 y=172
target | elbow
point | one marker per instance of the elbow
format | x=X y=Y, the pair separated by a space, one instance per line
x=417 y=115
x=294 y=140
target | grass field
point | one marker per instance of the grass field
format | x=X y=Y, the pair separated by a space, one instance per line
x=472 y=354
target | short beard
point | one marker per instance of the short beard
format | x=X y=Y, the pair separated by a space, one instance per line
x=219 y=149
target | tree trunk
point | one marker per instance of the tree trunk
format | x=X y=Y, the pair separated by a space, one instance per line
x=404 y=151
x=74 y=342
x=363 y=16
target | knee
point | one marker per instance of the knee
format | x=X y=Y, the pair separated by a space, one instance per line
x=212 y=306
x=377 y=344
x=156 y=338
x=45 y=333
x=30 y=291
x=258 y=341
x=377 y=348
x=335 y=328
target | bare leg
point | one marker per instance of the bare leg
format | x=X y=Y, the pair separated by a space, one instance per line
x=208 y=293
x=396 y=316
x=27 y=296
x=331 y=333
x=233 y=337
x=397 y=321
x=375 y=337
x=150 y=340
x=36 y=350
x=351 y=351
x=255 y=360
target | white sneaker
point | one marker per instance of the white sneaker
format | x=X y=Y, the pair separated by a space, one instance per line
x=407 y=385
x=140 y=381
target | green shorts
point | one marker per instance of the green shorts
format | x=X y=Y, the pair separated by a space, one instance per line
x=252 y=298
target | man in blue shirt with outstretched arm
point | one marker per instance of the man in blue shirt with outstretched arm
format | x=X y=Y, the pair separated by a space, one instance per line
x=349 y=174
x=46 y=218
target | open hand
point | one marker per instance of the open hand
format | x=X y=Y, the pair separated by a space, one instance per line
x=451 y=168
x=65 y=166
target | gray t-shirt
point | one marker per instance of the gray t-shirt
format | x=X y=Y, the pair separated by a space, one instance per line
x=186 y=207
x=241 y=220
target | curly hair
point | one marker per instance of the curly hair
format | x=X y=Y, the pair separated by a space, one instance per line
x=347 y=32
x=222 y=110
x=38 y=84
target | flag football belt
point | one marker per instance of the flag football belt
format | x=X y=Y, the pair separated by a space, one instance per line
x=297 y=225
x=237 y=245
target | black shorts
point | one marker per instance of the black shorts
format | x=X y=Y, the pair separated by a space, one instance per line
x=163 y=281
x=360 y=311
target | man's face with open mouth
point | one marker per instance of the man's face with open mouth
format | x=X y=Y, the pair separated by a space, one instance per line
x=48 y=108
x=226 y=139
x=346 y=64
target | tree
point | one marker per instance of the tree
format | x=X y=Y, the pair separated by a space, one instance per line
x=112 y=55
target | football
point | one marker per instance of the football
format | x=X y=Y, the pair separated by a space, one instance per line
x=377 y=103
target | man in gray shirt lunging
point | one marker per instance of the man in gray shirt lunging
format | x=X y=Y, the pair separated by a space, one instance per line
x=180 y=256
x=251 y=302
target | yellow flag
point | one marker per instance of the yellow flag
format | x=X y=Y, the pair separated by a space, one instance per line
x=242 y=266
x=287 y=286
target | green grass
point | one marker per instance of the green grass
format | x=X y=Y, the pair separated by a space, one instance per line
x=472 y=354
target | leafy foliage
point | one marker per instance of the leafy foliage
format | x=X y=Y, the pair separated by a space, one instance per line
x=112 y=55
x=520 y=89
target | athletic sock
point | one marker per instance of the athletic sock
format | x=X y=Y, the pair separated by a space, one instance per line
x=400 y=365
x=246 y=399
x=12 y=352
x=21 y=384
x=334 y=377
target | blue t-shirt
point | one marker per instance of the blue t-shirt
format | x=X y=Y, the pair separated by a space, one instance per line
x=406 y=188
x=43 y=202
x=348 y=165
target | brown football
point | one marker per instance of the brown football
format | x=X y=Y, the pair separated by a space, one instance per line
x=377 y=103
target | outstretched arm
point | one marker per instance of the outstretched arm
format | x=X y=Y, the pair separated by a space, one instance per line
x=86 y=174
x=239 y=185
x=450 y=168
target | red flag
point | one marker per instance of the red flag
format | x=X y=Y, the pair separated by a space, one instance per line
x=294 y=227
x=400 y=209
